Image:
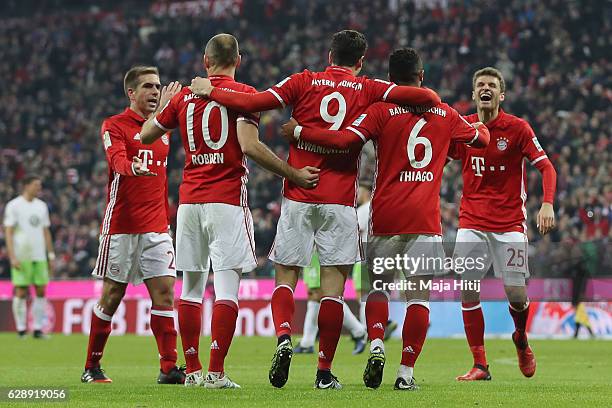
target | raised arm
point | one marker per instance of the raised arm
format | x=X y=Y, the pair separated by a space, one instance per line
x=152 y=129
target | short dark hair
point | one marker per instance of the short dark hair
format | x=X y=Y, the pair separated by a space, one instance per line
x=222 y=50
x=405 y=64
x=29 y=179
x=347 y=46
x=132 y=77
x=490 y=71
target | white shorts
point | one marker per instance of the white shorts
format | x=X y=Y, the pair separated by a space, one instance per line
x=331 y=228
x=506 y=251
x=132 y=258
x=214 y=234
x=420 y=254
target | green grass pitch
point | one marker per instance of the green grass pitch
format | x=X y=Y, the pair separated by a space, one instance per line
x=570 y=374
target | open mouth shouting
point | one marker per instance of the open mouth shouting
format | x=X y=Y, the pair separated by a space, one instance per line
x=486 y=96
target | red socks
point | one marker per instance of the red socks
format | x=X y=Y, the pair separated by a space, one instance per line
x=414 y=332
x=331 y=314
x=98 y=334
x=377 y=315
x=162 y=326
x=225 y=313
x=283 y=307
x=473 y=322
x=190 y=326
x=520 y=323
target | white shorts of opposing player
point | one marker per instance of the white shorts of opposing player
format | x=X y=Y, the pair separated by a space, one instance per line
x=506 y=251
x=132 y=258
x=330 y=228
x=217 y=234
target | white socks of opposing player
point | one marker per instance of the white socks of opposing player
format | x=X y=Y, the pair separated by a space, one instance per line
x=39 y=313
x=362 y=316
x=20 y=313
x=351 y=323
x=310 y=324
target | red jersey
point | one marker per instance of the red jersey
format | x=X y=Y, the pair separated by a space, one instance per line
x=135 y=205
x=411 y=149
x=215 y=167
x=331 y=100
x=494 y=177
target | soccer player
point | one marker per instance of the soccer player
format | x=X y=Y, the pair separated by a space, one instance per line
x=214 y=223
x=30 y=250
x=135 y=245
x=492 y=218
x=324 y=218
x=411 y=147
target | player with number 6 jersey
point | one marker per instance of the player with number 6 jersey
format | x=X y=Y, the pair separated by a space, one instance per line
x=411 y=148
x=214 y=223
x=492 y=218
x=323 y=218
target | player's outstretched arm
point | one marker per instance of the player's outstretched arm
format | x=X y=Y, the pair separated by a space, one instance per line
x=151 y=130
x=338 y=139
x=248 y=137
x=413 y=96
x=238 y=101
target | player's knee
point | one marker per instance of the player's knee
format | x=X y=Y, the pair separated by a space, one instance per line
x=163 y=296
x=21 y=292
x=111 y=297
x=470 y=296
x=519 y=306
x=314 y=295
x=40 y=291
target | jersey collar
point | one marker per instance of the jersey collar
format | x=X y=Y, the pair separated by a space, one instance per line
x=220 y=77
x=495 y=122
x=336 y=68
x=129 y=112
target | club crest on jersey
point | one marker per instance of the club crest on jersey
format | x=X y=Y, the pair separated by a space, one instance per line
x=165 y=139
x=502 y=143
x=113 y=270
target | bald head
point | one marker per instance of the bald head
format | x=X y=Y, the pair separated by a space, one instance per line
x=222 y=51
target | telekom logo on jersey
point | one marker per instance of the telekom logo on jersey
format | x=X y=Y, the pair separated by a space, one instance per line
x=147 y=159
x=478 y=165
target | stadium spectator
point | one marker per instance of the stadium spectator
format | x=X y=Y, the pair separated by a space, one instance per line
x=60 y=69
